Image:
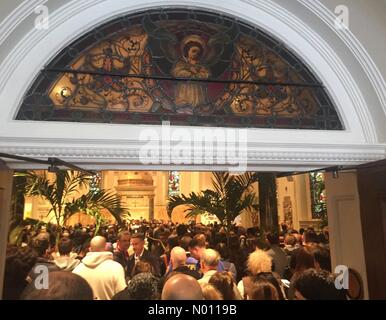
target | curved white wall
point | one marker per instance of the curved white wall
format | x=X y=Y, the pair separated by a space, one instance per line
x=305 y=26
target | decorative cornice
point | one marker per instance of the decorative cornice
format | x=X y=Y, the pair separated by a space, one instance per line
x=329 y=55
x=354 y=45
x=10 y=23
x=34 y=36
x=257 y=154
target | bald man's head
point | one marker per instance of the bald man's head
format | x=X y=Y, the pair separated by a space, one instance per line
x=178 y=257
x=182 y=287
x=98 y=244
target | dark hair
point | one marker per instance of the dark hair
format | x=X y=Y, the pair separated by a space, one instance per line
x=142 y=266
x=268 y=276
x=253 y=243
x=223 y=250
x=196 y=243
x=85 y=247
x=63 y=285
x=181 y=229
x=322 y=257
x=173 y=241
x=191 y=44
x=40 y=245
x=311 y=236
x=318 y=285
x=253 y=231
x=284 y=227
x=264 y=290
x=223 y=282
x=273 y=238
x=185 y=242
x=138 y=236
x=123 y=233
x=143 y=286
x=303 y=259
x=290 y=239
x=18 y=263
x=64 y=246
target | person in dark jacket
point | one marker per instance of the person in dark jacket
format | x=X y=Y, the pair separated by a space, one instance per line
x=140 y=253
x=41 y=245
x=121 y=253
x=18 y=264
x=178 y=263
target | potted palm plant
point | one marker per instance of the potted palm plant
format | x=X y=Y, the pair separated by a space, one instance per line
x=64 y=197
x=231 y=196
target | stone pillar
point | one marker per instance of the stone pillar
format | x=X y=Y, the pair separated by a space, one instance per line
x=268 y=202
x=151 y=207
x=302 y=214
x=6 y=179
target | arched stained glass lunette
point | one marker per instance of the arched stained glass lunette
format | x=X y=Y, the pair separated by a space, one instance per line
x=184 y=66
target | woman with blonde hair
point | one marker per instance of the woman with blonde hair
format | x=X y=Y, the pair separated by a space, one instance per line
x=258 y=261
x=259 y=267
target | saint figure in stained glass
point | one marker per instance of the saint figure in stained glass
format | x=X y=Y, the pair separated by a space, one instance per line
x=191 y=94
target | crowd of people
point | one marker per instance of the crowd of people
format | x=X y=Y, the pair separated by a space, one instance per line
x=156 y=260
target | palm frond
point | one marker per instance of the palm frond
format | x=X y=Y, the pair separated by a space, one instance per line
x=230 y=197
x=39 y=185
x=102 y=199
x=74 y=181
x=61 y=194
x=219 y=180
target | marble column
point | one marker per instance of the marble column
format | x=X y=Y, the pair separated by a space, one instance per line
x=268 y=202
x=151 y=207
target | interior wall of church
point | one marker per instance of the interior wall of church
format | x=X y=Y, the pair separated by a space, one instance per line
x=286 y=201
x=293 y=195
x=294 y=201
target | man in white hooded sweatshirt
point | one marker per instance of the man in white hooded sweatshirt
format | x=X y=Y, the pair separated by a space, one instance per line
x=105 y=276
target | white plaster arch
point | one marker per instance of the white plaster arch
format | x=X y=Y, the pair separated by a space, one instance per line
x=116 y=146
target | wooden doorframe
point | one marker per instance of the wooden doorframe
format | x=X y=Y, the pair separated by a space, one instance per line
x=371 y=180
x=6 y=180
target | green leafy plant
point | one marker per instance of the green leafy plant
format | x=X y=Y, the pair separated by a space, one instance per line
x=63 y=196
x=16 y=233
x=231 y=196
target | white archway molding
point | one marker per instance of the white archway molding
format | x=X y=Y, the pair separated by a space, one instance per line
x=117 y=145
x=355 y=46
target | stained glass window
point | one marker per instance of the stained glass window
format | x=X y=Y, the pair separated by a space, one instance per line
x=184 y=66
x=318 y=196
x=174 y=183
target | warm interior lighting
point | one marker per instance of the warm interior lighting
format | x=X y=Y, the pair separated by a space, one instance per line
x=65 y=92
